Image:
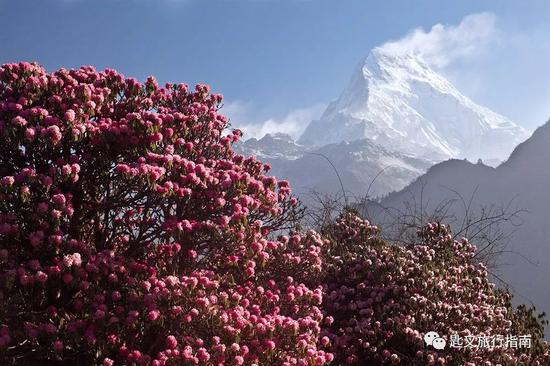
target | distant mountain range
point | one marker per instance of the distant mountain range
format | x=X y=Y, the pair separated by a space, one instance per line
x=396 y=118
x=355 y=163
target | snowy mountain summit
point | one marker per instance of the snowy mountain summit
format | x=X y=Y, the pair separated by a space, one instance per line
x=401 y=103
x=395 y=119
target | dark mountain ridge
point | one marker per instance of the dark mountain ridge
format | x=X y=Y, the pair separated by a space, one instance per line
x=522 y=182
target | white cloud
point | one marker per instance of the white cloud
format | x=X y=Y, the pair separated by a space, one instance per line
x=293 y=123
x=442 y=44
x=439 y=46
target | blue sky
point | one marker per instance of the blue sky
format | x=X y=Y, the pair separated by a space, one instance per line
x=279 y=62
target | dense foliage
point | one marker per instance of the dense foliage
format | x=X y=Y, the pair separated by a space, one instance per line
x=131 y=233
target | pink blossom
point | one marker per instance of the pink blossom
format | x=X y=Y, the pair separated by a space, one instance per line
x=30 y=133
x=54 y=133
x=20 y=121
x=153 y=315
x=7 y=181
x=59 y=199
x=70 y=115
x=41 y=277
x=171 y=342
x=58 y=346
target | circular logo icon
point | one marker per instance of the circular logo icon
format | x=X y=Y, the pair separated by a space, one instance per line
x=429 y=337
x=439 y=343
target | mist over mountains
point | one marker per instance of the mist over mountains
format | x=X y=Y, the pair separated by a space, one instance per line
x=320 y=169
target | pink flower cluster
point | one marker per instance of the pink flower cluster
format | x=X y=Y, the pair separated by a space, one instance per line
x=381 y=299
x=132 y=234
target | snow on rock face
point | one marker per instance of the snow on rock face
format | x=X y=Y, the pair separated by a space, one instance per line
x=399 y=102
x=363 y=166
x=358 y=163
x=271 y=146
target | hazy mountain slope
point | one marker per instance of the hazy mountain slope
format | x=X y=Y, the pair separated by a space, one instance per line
x=402 y=104
x=272 y=147
x=523 y=178
x=357 y=162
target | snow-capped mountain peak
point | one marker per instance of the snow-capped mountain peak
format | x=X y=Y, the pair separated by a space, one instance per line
x=400 y=102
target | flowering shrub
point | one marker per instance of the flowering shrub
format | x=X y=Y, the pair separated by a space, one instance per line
x=382 y=299
x=131 y=233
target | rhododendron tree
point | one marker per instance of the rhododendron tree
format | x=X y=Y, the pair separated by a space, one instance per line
x=380 y=300
x=131 y=233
